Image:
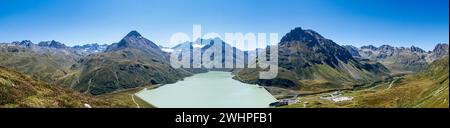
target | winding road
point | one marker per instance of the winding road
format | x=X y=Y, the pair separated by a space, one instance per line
x=392 y=83
x=132 y=97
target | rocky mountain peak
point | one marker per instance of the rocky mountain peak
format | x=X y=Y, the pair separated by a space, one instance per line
x=441 y=49
x=298 y=34
x=133 y=40
x=417 y=49
x=386 y=48
x=52 y=44
x=133 y=33
x=311 y=48
x=26 y=43
x=371 y=47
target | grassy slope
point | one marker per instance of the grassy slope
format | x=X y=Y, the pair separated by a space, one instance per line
x=125 y=97
x=123 y=69
x=18 y=90
x=427 y=89
x=43 y=66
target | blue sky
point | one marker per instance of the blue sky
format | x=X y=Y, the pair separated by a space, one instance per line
x=422 y=23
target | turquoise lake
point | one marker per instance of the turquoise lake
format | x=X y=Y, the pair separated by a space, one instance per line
x=208 y=90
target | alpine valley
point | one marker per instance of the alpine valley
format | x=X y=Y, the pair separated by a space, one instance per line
x=313 y=72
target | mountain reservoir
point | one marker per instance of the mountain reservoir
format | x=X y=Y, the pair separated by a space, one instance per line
x=208 y=90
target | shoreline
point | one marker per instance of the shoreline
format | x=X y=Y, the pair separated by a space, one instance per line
x=142 y=90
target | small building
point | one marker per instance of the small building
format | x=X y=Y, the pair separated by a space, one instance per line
x=284 y=102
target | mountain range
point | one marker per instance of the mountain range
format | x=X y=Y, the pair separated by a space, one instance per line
x=400 y=59
x=46 y=61
x=308 y=63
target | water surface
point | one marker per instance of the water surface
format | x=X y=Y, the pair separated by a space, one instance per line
x=208 y=90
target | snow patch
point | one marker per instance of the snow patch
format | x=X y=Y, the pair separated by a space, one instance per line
x=167 y=50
